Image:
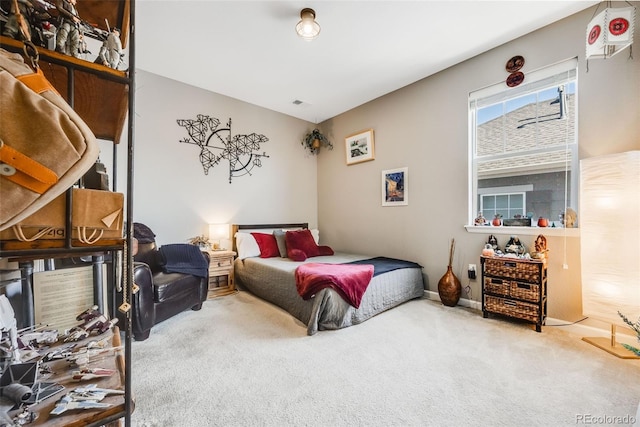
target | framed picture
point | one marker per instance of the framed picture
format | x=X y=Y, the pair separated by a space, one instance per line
x=395 y=187
x=359 y=147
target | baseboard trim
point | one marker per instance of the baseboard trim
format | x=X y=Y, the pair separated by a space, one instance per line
x=475 y=305
x=565 y=325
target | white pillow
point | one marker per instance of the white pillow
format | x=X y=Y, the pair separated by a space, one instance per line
x=316 y=235
x=246 y=245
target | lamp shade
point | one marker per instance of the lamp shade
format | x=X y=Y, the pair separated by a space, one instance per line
x=218 y=231
x=610 y=32
x=610 y=236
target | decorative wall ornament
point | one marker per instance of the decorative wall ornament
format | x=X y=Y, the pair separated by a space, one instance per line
x=217 y=143
x=313 y=140
x=513 y=67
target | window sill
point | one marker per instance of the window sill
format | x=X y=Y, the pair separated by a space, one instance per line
x=524 y=231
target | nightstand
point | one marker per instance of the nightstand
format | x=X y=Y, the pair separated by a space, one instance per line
x=221 y=273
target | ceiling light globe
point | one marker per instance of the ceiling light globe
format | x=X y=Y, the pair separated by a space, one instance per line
x=308 y=28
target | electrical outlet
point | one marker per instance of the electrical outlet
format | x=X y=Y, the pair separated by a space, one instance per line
x=471 y=272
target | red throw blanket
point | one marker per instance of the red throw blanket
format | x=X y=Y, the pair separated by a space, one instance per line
x=350 y=281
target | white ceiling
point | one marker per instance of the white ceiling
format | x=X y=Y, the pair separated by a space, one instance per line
x=249 y=50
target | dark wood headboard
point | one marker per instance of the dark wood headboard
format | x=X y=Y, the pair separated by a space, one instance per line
x=237 y=227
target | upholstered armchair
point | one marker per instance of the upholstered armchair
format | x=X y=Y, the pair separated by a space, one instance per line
x=171 y=279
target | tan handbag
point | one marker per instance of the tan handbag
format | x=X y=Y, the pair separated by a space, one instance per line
x=46 y=223
x=96 y=215
x=45 y=147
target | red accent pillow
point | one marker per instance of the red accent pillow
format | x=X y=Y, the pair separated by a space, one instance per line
x=301 y=245
x=324 y=250
x=267 y=244
x=296 y=255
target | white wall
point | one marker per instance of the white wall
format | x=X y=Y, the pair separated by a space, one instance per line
x=424 y=127
x=174 y=197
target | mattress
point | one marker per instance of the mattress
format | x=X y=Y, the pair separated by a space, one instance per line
x=273 y=279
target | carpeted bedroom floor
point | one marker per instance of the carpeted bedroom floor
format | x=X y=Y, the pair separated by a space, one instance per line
x=243 y=362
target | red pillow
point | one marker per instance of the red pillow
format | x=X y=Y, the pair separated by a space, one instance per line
x=301 y=245
x=267 y=244
x=325 y=250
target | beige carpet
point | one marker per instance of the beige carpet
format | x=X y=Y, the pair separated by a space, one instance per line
x=243 y=362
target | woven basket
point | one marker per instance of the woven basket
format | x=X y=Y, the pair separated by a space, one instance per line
x=520 y=310
x=513 y=269
x=525 y=291
x=496 y=286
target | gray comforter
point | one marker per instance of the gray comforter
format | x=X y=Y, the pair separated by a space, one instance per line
x=272 y=279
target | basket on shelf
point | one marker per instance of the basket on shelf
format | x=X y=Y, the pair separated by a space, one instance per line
x=504 y=267
x=518 y=309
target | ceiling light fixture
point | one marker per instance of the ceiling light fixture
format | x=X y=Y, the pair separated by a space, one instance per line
x=308 y=28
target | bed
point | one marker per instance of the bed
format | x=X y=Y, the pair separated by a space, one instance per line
x=273 y=279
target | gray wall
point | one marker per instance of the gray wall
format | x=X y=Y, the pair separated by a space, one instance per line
x=424 y=127
x=174 y=197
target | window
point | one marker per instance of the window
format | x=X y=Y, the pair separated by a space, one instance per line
x=507 y=205
x=523 y=146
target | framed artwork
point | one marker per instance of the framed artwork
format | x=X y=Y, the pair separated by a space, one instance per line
x=359 y=147
x=395 y=187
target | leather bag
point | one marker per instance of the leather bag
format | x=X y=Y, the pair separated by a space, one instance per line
x=45 y=147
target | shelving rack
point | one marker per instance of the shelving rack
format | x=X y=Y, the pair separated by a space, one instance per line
x=104 y=99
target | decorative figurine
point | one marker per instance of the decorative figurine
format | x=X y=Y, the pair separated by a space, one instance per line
x=497 y=220
x=540 y=246
x=9 y=334
x=493 y=242
x=514 y=246
x=488 y=250
x=68 y=35
x=88 y=397
x=480 y=219
x=111 y=53
x=569 y=218
x=93 y=321
x=91 y=373
x=12 y=27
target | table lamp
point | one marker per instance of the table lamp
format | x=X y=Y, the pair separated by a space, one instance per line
x=217 y=232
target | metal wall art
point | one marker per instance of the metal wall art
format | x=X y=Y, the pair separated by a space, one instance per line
x=217 y=143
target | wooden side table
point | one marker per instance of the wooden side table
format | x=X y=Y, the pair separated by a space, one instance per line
x=221 y=273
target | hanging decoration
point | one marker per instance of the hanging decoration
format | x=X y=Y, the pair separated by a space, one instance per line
x=513 y=67
x=610 y=32
x=314 y=140
x=217 y=143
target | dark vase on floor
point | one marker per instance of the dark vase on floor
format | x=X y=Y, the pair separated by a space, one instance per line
x=449 y=287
